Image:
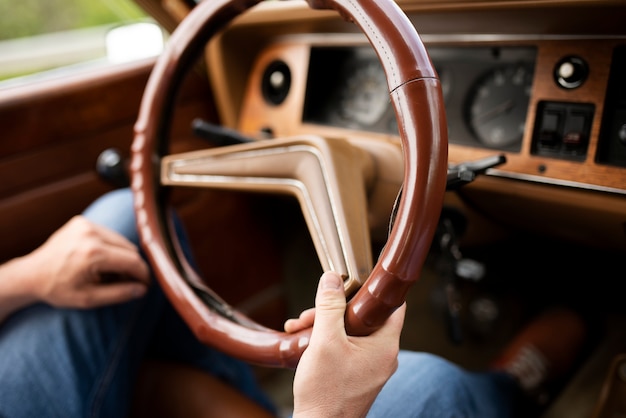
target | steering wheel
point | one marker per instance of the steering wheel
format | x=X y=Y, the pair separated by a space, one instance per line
x=323 y=174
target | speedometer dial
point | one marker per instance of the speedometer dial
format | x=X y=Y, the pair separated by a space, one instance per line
x=364 y=98
x=497 y=106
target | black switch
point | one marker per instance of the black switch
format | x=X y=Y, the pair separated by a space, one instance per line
x=576 y=128
x=549 y=131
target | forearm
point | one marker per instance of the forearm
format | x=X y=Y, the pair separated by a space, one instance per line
x=349 y=401
x=17 y=286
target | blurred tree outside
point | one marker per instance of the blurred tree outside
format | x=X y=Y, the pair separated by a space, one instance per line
x=40 y=36
x=23 y=18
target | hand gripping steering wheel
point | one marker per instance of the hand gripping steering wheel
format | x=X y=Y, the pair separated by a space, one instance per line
x=323 y=175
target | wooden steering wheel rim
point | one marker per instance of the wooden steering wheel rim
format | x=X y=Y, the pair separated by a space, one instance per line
x=415 y=93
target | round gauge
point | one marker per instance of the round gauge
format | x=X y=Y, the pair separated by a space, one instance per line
x=364 y=97
x=497 y=105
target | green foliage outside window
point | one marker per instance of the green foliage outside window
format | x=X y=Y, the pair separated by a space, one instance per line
x=22 y=18
x=40 y=35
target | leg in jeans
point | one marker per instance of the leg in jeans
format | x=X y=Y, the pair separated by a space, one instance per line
x=71 y=363
x=82 y=363
x=428 y=386
x=173 y=340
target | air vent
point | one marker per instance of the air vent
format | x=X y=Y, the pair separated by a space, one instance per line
x=276 y=83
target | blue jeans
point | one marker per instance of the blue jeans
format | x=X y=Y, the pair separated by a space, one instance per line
x=82 y=363
x=430 y=387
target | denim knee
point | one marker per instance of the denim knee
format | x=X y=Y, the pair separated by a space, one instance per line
x=114 y=210
x=426 y=385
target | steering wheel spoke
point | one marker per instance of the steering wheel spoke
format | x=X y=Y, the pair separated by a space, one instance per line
x=327 y=177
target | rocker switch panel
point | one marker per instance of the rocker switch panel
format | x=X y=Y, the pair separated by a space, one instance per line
x=562 y=130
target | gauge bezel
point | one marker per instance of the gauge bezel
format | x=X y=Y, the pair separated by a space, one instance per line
x=503 y=101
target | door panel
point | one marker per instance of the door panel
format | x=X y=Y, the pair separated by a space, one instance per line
x=52 y=134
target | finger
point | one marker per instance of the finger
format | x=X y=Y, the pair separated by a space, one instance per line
x=112 y=237
x=305 y=320
x=121 y=261
x=392 y=327
x=330 y=306
x=108 y=294
x=81 y=225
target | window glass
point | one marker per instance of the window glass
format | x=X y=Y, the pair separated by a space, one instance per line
x=37 y=36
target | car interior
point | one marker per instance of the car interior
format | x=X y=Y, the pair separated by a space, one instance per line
x=290 y=139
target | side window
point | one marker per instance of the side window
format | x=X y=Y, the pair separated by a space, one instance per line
x=51 y=37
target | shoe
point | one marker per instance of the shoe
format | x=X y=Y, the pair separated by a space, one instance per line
x=544 y=351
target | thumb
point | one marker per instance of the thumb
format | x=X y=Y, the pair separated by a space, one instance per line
x=111 y=293
x=330 y=305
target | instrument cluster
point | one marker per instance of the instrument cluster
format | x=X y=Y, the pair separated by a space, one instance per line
x=486 y=92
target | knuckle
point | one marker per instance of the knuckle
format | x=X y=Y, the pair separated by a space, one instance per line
x=90 y=249
x=82 y=303
x=86 y=300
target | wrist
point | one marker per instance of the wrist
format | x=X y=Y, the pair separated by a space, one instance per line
x=329 y=408
x=17 y=286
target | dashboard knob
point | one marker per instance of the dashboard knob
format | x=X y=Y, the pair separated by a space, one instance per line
x=111 y=167
x=571 y=72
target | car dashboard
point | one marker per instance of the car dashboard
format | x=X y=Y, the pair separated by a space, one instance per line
x=539 y=83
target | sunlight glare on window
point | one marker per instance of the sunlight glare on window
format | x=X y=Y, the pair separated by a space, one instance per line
x=134 y=41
